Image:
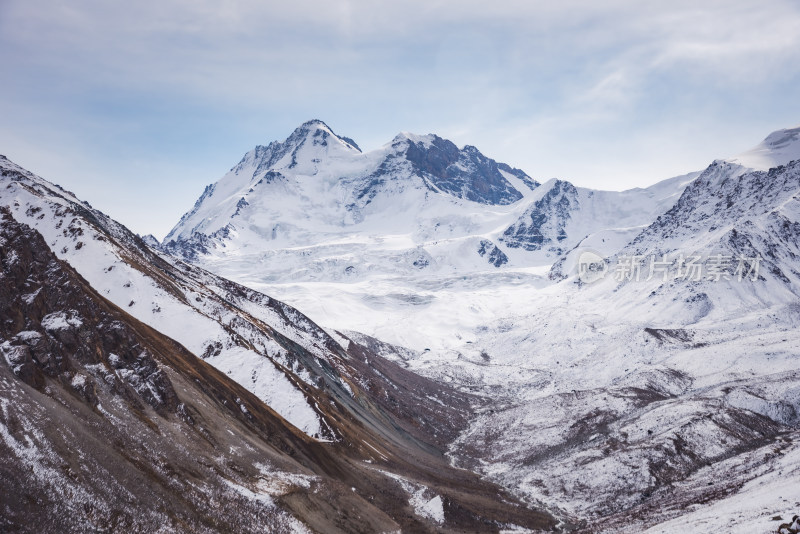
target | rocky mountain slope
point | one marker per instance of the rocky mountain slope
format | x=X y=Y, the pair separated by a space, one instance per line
x=563 y=216
x=664 y=396
x=642 y=399
x=108 y=425
x=129 y=373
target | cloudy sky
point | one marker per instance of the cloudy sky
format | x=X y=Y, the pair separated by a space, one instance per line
x=136 y=106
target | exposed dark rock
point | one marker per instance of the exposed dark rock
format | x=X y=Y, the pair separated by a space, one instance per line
x=543 y=225
x=489 y=250
x=51 y=323
x=465 y=173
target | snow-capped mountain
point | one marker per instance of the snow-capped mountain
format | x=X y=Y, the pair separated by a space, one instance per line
x=779 y=148
x=562 y=216
x=314 y=208
x=746 y=215
x=637 y=399
x=285 y=221
x=316 y=183
x=129 y=373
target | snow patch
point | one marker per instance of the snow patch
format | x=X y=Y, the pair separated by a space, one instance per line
x=61 y=321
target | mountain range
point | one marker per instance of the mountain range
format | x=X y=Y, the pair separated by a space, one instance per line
x=447 y=210
x=465 y=378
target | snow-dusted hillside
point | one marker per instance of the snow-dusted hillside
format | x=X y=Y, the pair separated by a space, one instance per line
x=189 y=309
x=301 y=371
x=637 y=399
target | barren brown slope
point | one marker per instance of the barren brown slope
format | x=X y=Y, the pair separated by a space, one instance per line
x=107 y=424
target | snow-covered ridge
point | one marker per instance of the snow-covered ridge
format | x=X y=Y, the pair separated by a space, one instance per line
x=779 y=148
x=190 y=306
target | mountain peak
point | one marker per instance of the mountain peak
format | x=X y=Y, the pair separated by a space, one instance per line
x=319 y=132
x=315 y=123
x=334 y=182
x=311 y=140
x=426 y=140
x=778 y=148
x=463 y=173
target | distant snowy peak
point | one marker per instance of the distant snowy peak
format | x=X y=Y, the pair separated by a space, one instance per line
x=151 y=241
x=779 y=148
x=562 y=218
x=725 y=196
x=741 y=214
x=317 y=181
x=309 y=142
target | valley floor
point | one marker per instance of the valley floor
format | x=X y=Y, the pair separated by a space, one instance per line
x=615 y=414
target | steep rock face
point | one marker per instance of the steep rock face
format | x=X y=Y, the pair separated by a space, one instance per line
x=465 y=173
x=442 y=168
x=52 y=329
x=543 y=225
x=490 y=251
